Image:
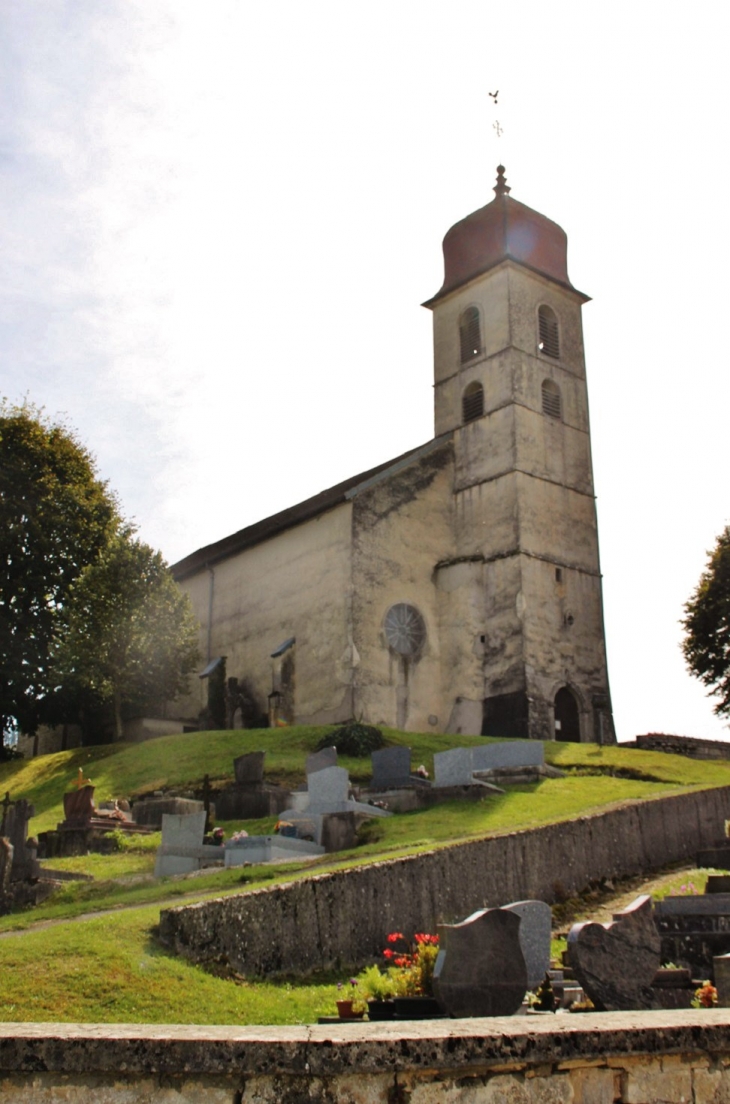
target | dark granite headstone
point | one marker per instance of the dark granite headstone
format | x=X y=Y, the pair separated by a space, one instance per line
x=480 y=969
x=694 y=929
x=616 y=963
x=249 y=768
x=392 y=770
x=320 y=760
x=78 y=807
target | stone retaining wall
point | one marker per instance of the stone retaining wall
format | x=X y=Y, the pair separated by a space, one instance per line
x=342 y=918
x=600 y=1058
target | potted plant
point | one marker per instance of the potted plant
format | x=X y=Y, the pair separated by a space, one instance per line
x=349 y=1006
x=378 y=990
x=411 y=969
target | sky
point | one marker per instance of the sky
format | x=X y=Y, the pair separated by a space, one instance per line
x=218 y=221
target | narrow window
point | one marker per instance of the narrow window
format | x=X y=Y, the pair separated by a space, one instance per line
x=470 y=334
x=472 y=402
x=549 y=341
x=551 y=404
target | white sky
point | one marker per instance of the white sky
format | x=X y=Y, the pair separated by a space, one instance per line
x=218 y=219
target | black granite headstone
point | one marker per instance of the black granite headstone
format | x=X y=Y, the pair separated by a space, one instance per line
x=616 y=963
x=480 y=969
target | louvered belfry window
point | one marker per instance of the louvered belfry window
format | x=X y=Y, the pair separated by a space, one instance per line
x=549 y=343
x=472 y=402
x=470 y=334
x=551 y=399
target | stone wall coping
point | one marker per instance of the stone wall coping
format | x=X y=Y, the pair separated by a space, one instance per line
x=328 y=1050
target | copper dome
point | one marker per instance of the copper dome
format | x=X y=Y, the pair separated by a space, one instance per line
x=503 y=230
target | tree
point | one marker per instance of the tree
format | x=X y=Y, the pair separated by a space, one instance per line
x=706 y=645
x=55 y=517
x=129 y=633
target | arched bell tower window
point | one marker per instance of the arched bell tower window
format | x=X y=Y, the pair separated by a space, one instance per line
x=551 y=404
x=549 y=333
x=470 y=334
x=472 y=402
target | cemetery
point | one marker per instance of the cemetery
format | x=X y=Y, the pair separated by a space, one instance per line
x=476 y=845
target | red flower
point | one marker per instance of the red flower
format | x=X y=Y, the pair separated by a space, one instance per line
x=395 y=936
x=388 y=954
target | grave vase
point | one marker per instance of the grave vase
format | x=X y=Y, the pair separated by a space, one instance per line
x=417 y=1008
x=381 y=1010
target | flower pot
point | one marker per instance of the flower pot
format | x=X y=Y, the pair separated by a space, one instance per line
x=417 y=1008
x=344 y=1009
x=381 y=1010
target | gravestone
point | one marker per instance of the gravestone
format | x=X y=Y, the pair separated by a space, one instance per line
x=721 y=973
x=150 y=811
x=320 y=760
x=182 y=849
x=535 y=933
x=480 y=969
x=453 y=767
x=249 y=769
x=508 y=753
x=6 y=863
x=25 y=864
x=616 y=963
x=78 y=807
x=693 y=930
x=328 y=788
x=392 y=770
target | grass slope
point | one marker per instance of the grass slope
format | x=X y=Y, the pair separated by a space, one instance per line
x=109 y=967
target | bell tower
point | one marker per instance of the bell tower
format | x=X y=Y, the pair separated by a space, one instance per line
x=524 y=584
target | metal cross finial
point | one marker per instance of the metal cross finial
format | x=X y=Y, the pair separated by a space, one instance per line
x=501 y=187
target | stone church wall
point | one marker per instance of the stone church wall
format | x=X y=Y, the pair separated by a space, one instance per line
x=296 y=584
x=402 y=527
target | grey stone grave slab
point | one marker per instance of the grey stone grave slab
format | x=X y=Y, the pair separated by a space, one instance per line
x=249 y=769
x=328 y=788
x=266 y=849
x=508 y=753
x=25 y=864
x=535 y=932
x=453 y=767
x=615 y=963
x=320 y=760
x=480 y=969
x=694 y=904
x=181 y=836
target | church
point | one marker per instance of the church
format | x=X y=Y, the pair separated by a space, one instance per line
x=455 y=588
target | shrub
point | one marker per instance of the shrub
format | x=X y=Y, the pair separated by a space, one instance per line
x=357 y=740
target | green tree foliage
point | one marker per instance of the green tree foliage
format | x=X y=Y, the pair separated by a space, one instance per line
x=55 y=517
x=130 y=636
x=706 y=645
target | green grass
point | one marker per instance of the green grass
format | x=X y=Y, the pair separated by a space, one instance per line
x=108 y=967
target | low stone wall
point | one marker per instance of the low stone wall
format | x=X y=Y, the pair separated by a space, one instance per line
x=341 y=919
x=599 y=1058
x=692 y=746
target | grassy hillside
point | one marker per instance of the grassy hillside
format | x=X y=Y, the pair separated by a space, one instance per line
x=109 y=967
x=181 y=761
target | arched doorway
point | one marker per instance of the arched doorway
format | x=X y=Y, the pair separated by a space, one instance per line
x=567 y=718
